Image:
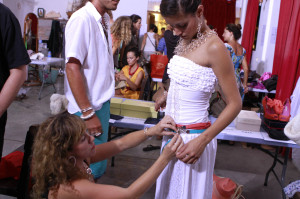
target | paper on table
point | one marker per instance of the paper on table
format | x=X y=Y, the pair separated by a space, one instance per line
x=241 y=133
x=267 y=138
x=133 y=120
x=112 y=121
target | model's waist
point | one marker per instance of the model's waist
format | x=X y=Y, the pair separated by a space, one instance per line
x=193 y=128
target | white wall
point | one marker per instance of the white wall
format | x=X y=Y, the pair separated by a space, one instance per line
x=20 y=8
x=262 y=57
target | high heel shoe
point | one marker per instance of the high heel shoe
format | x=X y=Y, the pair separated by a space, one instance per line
x=269 y=112
x=285 y=115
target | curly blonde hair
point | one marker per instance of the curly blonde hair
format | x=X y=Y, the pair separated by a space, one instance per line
x=51 y=151
x=121 y=30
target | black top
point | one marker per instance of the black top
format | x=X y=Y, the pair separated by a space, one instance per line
x=12 y=49
x=171 y=43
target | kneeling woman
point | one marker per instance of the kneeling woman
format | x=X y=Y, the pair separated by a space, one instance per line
x=133 y=74
x=63 y=150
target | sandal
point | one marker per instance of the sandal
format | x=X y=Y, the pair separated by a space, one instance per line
x=150 y=148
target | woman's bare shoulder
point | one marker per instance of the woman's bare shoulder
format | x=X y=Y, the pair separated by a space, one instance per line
x=77 y=189
x=215 y=44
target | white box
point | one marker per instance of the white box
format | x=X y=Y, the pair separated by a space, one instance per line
x=247 y=121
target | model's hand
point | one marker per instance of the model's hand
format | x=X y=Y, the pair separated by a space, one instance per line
x=160 y=102
x=172 y=147
x=160 y=129
x=94 y=125
x=191 y=151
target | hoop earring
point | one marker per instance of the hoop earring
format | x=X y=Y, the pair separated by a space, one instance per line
x=199 y=34
x=72 y=158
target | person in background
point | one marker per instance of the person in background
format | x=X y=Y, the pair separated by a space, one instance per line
x=200 y=61
x=13 y=61
x=132 y=74
x=63 y=150
x=162 y=47
x=162 y=30
x=136 y=26
x=89 y=80
x=121 y=36
x=231 y=35
x=150 y=41
x=171 y=41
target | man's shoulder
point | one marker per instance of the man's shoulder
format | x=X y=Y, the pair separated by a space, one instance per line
x=5 y=12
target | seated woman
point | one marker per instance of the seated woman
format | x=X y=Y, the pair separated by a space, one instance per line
x=133 y=74
x=63 y=150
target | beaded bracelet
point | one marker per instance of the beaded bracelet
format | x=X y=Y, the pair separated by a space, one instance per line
x=86 y=109
x=88 y=116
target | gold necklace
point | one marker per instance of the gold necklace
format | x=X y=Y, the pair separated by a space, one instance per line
x=185 y=47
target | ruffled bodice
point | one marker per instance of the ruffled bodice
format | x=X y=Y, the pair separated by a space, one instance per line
x=190 y=90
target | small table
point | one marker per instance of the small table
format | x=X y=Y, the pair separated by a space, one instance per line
x=44 y=62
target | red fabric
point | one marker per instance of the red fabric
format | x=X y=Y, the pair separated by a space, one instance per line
x=10 y=165
x=287 y=56
x=219 y=13
x=250 y=27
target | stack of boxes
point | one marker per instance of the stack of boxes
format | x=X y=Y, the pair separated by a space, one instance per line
x=133 y=108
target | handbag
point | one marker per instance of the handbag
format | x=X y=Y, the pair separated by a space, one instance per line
x=216 y=104
x=158 y=64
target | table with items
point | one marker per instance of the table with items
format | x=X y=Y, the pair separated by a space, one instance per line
x=229 y=133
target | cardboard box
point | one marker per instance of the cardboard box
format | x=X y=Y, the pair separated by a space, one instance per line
x=115 y=106
x=247 y=121
x=115 y=111
x=116 y=102
x=138 y=109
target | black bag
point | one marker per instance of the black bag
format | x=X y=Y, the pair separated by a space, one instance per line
x=216 y=104
x=274 y=128
x=271 y=83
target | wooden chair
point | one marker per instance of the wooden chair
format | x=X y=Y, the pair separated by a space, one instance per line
x=21 y=188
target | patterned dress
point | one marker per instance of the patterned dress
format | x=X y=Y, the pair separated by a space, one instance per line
x=237 y=61
x=187 y=103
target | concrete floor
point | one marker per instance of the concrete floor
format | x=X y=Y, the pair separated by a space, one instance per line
x=246 y=166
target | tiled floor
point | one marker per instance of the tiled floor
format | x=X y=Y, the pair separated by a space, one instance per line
x=246 y=166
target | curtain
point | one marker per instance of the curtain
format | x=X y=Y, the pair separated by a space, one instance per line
x=250 y=27
x=219 y=13
x=287 y=56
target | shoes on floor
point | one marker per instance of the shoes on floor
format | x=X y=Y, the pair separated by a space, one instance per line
x=150 y=147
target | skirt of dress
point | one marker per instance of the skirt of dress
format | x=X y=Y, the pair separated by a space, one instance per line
x=188 y=181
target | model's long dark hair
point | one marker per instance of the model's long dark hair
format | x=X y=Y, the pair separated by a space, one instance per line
x=173 y=7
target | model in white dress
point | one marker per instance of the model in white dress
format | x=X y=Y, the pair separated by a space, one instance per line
x=187 y=103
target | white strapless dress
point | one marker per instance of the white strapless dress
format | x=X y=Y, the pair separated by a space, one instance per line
x=187 y=103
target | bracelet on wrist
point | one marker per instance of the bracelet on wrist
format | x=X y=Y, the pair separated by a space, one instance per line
x=146 y=131
x=165 y=93
x=89 y=116
x=86 y=109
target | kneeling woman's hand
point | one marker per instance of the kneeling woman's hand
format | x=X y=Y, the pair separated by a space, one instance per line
x=172 y=147
x=164 y=127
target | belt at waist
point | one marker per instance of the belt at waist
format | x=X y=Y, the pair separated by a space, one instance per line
x=193 y=128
